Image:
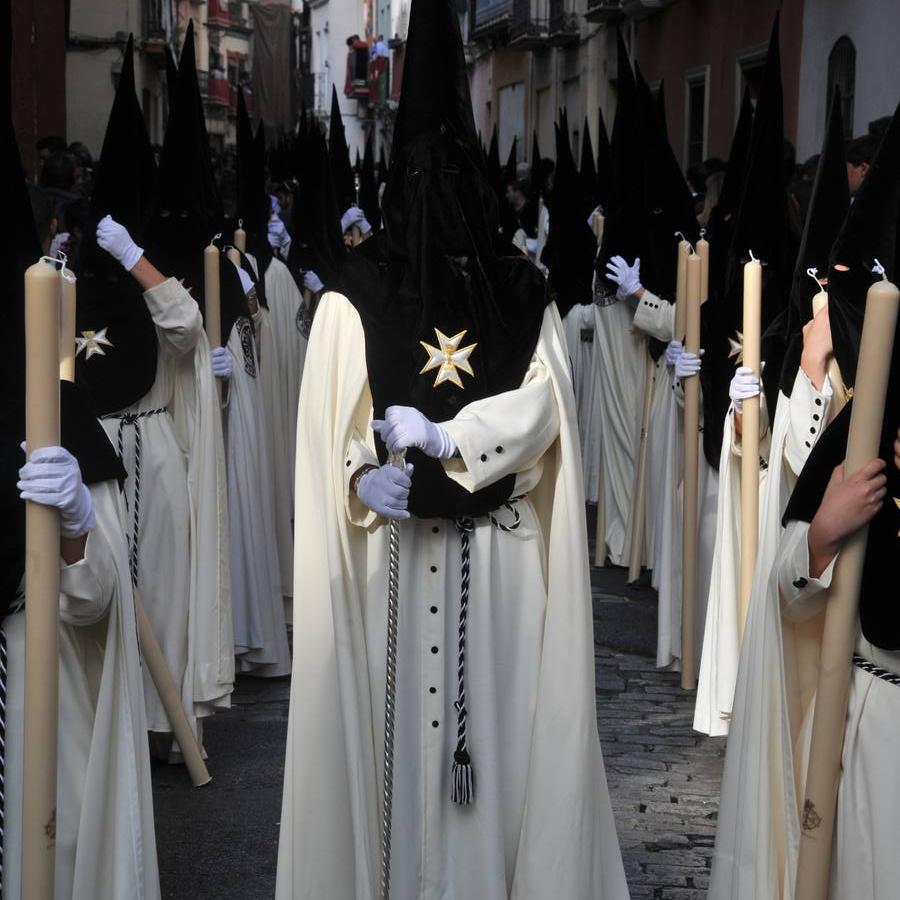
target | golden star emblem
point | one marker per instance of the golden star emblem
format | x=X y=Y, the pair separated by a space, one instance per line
x=448 y=358
x=92 y=342
x=736 y=348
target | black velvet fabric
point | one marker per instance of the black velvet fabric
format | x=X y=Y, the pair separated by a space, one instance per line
x=433 y=266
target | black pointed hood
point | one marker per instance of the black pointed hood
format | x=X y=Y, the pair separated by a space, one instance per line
x=109 y=299
x=571 y=244
x=604 y=162
x=588 y=174
x=828 y=207
x=869 y=233
x=494 y=168
x=760 y=226
x=339 y=154
x=368 y=187
x=434 y=266
x=660 y=107
x=171 y=79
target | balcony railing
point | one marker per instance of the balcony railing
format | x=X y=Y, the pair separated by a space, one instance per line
x=489 y=17
x=151 y=21
x=217 y=13
x=218 y=91
x=526 y=29
x=603 y=11
x=565 y=27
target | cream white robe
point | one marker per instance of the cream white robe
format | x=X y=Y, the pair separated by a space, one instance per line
x=183 y=575
x=260 y=633
x=798 y=423
x=578 y=325
x=619 y=350
x=105 y=842
x=541 y=823
x=758 y=830
x=282 y=352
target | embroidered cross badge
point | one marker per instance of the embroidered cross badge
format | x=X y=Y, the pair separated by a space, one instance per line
x=448 y=358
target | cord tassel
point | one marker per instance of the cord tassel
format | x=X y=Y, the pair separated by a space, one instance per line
x=462 y=789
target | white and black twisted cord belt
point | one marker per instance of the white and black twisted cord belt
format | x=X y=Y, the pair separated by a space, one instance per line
x=870 y=667
x=462 y=785
x=134 y=420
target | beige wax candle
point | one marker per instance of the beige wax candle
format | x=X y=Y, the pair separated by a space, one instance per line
x=42 y=310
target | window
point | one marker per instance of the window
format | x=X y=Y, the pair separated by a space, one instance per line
x=842 y=73
x=695 y=117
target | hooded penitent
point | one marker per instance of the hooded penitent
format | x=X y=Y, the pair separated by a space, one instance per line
x=117 y=344
x=828 y=206
x=317 y=243
x=571 y=245
x=339 y=154
x=431 y=278
x=187 y=210
x=760 y=226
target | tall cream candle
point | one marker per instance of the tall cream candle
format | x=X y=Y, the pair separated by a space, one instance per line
x=842 y=612
x=702 y=249
x=67 y=326
x=684 y=250
x=42 y=310
x=240 y=237
x=750 y=438
x=691 y=470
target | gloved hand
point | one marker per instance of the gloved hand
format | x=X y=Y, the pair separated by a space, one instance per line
x=59 y=244
x=743 y=386
x=276 y=206
x=312 y=282
x=386 y=491
x=52 y=477
x=628 y=278
x=355 y=216
x=404 y=427
x=277 y=233
x=222 y=362
x=688 y=364
x=116 y=241
x=674 y=349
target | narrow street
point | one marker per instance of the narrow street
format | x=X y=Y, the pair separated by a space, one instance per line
x=221 y=841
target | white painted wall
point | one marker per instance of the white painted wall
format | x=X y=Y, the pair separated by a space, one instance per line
x=332 y=22
x=874 y=28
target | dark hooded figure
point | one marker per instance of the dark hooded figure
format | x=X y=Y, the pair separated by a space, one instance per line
x=432 y=326
x=143 y=355
x=102 y=849
x=781 y=657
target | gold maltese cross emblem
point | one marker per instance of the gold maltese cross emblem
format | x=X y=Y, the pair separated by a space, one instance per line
x=92 y=342
x=736 y=348
x=448 y=358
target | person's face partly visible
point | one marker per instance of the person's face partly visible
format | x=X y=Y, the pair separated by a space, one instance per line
x=855 y=176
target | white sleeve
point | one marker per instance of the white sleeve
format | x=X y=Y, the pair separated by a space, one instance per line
x=176 y=315
x=802 y=596
x=655 y=316
x=808 y=416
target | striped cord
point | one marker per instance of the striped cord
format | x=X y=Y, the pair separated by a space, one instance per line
x=462 y=788
x=870 y=667
x=134 y=420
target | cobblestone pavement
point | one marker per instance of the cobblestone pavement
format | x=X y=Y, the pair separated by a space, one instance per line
x=221 y=841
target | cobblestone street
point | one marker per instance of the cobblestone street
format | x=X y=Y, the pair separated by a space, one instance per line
x=221 y=841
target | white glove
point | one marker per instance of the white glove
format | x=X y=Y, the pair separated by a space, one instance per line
x=276 y=206
x=386 y=491
x=597 y=211
x=312 y=282
x=52 y=477
x=674 y=349
x=59 y=244
x=404 y=427
x=355 y=216
x=688 y=364
x=222 y=362
x=116 y=241
x=628 y=278
x=743 y=386
x=277 y=233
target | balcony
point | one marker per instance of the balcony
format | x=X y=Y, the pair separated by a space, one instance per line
x=152 y=31
x=217 y=14
x=526 y=30
x=565 y=27
x=218 y=90
x=489 y=18
x=603 y=11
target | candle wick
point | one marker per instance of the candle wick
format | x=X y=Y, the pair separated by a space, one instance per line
x=813 y=273
x=240 y=223
x=878 y=269
x=702 y=232
x=752 y=257
x=678 y=234
x=216 y=237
